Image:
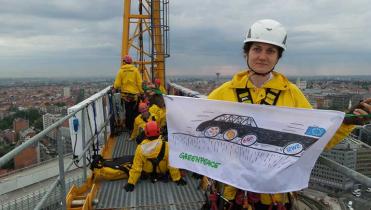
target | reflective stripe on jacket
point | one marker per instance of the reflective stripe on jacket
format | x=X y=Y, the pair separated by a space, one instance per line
x=290 y=96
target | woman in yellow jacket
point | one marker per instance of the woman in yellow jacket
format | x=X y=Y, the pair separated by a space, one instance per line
x=158 y=109
x=259 y=84
x=141 y=120
x=155 y=149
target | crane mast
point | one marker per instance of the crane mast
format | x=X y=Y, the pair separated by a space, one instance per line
x=145 y=36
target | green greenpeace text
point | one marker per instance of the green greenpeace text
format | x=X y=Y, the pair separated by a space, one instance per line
x=198 y=159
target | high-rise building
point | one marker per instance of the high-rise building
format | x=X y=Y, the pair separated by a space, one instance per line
x=364 y=134
x=351 y=153
x=48 y=120
x=67 y=92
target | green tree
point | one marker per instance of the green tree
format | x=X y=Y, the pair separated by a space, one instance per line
x=31 y=114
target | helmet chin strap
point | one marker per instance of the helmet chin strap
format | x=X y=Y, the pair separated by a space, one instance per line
x=257 y=73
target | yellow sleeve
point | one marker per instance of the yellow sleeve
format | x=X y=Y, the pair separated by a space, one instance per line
x=162 y=119
x=340 y=134
x=155 y=111
x=139 y=81
x=136 y=168
x=162 y=89
x=118 y=80
x=229 y=192
x=220 y=93
x=137 y=122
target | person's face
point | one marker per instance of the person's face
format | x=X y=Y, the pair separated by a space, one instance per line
x=262 y=57
x=145 y=114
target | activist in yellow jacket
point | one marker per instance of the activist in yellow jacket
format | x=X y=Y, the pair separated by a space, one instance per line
x=159 y=113
x=139 y=123
x=290 y=96
x=151 y=149
x=129 y=80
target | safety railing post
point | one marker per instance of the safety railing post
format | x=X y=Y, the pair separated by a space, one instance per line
x=61 y=167
x=83 y=142
x=104 y=99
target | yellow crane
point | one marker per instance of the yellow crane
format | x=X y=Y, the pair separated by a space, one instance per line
x=145 y=36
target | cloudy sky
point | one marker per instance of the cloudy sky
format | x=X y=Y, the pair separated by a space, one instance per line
x=78 y=38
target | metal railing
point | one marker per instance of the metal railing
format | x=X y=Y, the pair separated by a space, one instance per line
x=179 y=90
x=30 y=200
x=60 y=182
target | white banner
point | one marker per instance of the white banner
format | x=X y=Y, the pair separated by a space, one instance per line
x=259 y=148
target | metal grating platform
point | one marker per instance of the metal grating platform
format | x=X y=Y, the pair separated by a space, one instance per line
x=147 y=196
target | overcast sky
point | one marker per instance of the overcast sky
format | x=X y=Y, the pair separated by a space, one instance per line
x=83 y=38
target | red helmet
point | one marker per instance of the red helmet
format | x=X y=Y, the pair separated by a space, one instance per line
x=127 y=59
x=157 y=81
x=142 y=107
x=151 y=129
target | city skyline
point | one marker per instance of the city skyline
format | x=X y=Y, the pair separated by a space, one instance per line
x=65 y=39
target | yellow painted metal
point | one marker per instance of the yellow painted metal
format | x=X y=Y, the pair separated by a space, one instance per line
x=158 y=45
x=138 y=40
x=125 y=29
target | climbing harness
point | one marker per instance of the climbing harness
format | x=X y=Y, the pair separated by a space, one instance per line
x=271 y=96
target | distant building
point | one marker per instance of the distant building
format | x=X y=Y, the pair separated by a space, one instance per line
x=30 y=155
x=364 y=134
x=302 y=85
x=341 y=101
x=350 y=153
x=48 y=120
x=9 y=136
x=67 y=92
x=20 y=124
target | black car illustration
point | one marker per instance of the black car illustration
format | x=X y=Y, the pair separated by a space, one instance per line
x=230 y=126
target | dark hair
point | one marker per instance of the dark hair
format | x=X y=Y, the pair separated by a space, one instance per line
x=247 y=46
x=158 y=100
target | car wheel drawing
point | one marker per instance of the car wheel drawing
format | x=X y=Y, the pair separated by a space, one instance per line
x=249 y=139
x=293 y=148
x=230 y=134
x=212 y=131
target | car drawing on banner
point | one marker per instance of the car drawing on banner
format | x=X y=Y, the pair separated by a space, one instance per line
x=230 y=127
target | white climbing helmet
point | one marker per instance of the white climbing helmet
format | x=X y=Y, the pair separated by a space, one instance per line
x=267 y=31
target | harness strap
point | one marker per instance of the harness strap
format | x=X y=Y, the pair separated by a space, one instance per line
x=271 y=96
x=155 y=161
x=244 y=95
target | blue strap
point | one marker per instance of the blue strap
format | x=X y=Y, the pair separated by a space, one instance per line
x=96 y=129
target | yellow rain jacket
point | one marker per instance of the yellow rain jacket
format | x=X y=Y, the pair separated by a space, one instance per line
x=151 y=149
x=159 y=113
x=140 y=123
x=129 y=80
x=290 y=96
x=162 y=89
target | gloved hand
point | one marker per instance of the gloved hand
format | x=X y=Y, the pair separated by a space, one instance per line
x=181 y=182
x=129 y=187
x=363 y=108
